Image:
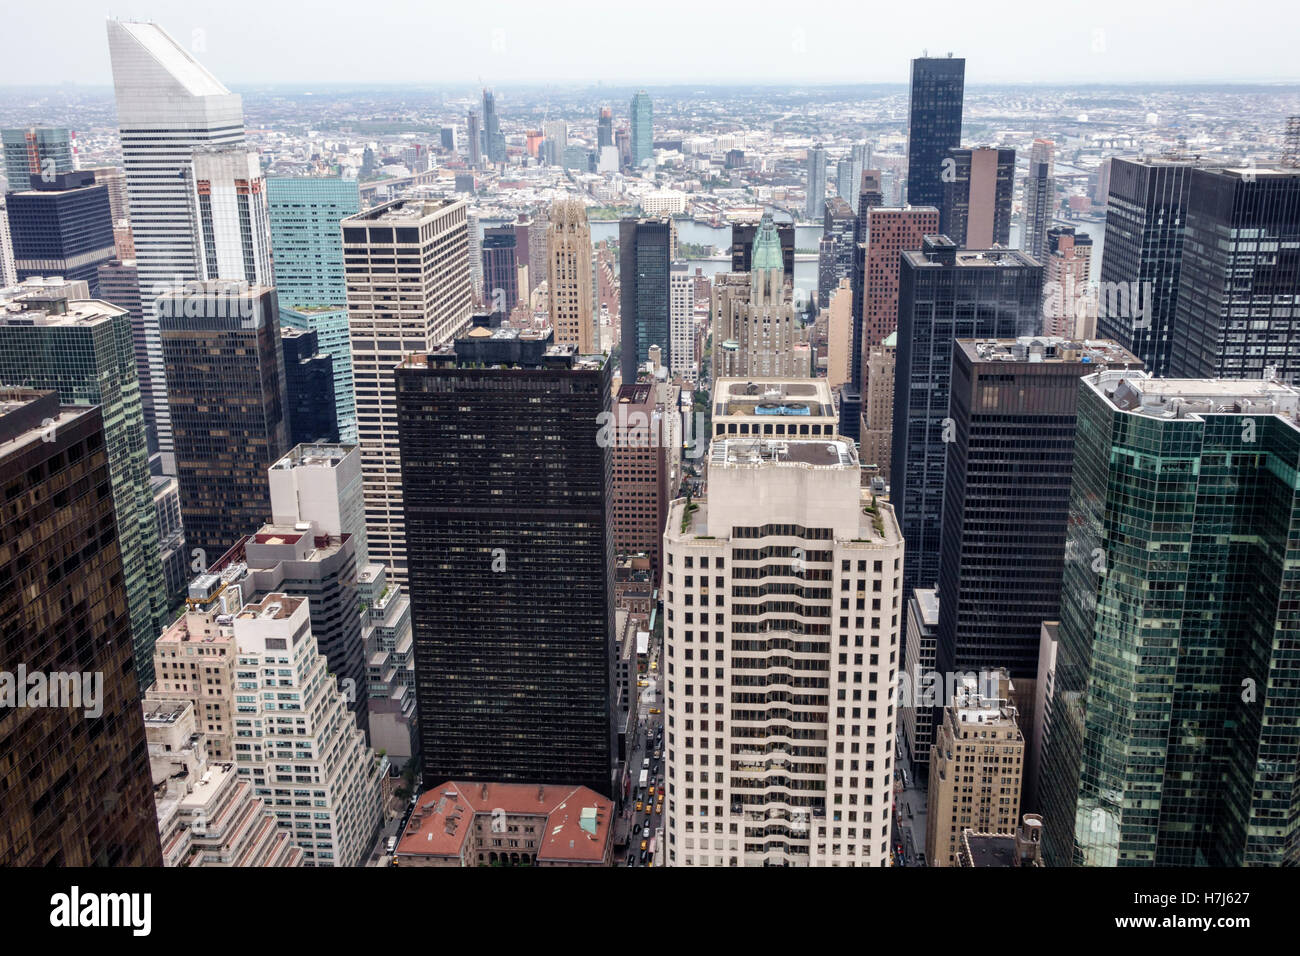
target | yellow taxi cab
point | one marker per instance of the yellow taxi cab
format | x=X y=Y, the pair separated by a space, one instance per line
x=654 y=665
x=643 y=683
x=644 y=844
x=659 y=808
x=638 y=806
x=655 y=710
x=652 y=793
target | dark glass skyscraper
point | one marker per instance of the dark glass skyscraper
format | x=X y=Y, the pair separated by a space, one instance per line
x=1006 y=495
x=934 y=105
x=77 y=790
x=63 y=227
x=944 y=294
x=1240 y=276
x=1172 y=738
x=510 y=554
x=645 y=251
x=309 y=385
x=500 y=268
x=1146 y=215
x=226 y=388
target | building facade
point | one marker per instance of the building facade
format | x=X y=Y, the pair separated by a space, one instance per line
x=782 y=615
x=934 y=109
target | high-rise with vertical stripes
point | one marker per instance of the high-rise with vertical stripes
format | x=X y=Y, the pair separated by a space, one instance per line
x=167 y=106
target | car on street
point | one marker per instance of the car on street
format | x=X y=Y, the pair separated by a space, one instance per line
x=644 y=844
x=638 y=806
x=636 y=829
x=659 y=808
x=655 y=710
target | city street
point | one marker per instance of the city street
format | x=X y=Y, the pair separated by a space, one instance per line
x=638 y=826
x=908 y=827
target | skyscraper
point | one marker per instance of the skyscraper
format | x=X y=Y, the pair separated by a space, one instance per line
x=739 y=597
x=1240 y=276
x=681 y=293
x=56 y=337
x=646 y=251
x=976 y=212
x=61 y=227
x=1068 y=304
x=568 y=275
x=230 y=213
x=1006 y=495
x=494 y=142
x=167 y=106
x=1146 y=219
x=1171 y=741
x=309 y=387
x=1039 y=199
x=85 y=780
x=306 y=213
x=642 y=144
x=119 y=283
x=835 y=253
x=41 y=151
x=742 y=244
x=815 y=204
x=408 y=291
x=869 y=196
x=934 y=106
x=890 y=231
x=8 y=271
x=944 y=294
x=605 y=128
x=510 y=547
x=225 y=376
x=475 y=137
x=500 y=269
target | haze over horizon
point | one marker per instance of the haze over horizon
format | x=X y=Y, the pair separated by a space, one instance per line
x=818 y=43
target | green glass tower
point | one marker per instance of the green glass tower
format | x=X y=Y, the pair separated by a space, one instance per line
x=643 y=146
x=54 y=336
x=307 y=243
x=1172 y=738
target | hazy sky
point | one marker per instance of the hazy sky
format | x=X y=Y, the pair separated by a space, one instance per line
x=654 y=42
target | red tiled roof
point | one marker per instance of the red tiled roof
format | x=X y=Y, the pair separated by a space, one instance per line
x=444 y=817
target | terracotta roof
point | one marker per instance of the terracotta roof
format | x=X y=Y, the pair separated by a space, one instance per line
x=578 y=820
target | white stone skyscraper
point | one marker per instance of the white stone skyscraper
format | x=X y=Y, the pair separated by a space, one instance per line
x=167 y=106
x=231 y=214
x=782 y=593
x=409 y=290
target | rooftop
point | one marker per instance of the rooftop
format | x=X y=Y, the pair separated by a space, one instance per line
x=578 y=820
x=1049 y=349
x=1191 y=398
x=401 y=211
x=773 y=396
x=835 y=453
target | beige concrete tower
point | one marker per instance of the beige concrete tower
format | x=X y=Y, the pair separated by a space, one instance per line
x=568 y=275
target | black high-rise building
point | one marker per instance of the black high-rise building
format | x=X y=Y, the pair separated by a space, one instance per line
x=226 y=390
x=605 y=128
x=1240 y=276
x=943 y=295
x=309 y=384
x=501 y=268
x=508 y=490
x=77 y=790
x=1006 y=496
x=870 y=195
x=742 y=245
x=645 y=254
x=63 y=227
x=934 y=105
x=1146 y=218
